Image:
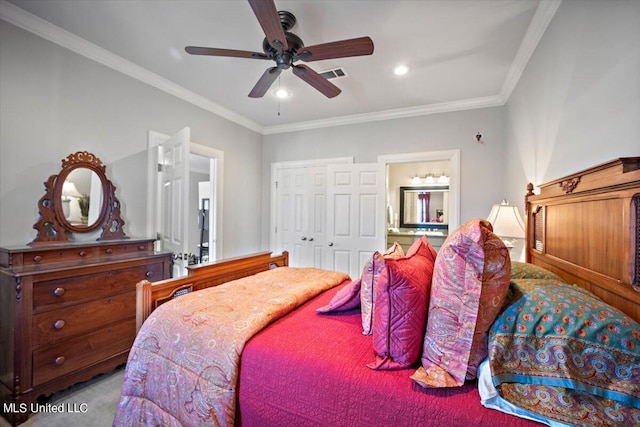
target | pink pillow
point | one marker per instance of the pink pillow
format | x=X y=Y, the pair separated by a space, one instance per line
x=470 y=285
x=347 y=298
x=370 y=276
x=400 y=311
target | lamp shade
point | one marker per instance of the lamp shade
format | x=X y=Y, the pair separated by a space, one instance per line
x=506 y=221
x=69 y=190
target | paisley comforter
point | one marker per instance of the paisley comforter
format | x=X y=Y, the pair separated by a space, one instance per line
x=183 y=367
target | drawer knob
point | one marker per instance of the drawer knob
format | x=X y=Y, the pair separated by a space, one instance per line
x=59 y=324
x=59 y=291
x=37 y=258
x=83 y=253
x=149 y=273
x=59 y=360
x=141 y=247
x=108 y=251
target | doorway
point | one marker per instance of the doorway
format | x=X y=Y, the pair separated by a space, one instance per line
x=184 y=198
x=423 y=165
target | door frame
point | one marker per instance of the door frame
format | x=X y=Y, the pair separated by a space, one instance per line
x=453 y=156
x=275 y=166
x=156 y=138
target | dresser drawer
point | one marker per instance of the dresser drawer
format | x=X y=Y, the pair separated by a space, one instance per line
x=48 y=294
x=68 y=356
x=54 y=325
x=59 y=255
x=86 y=253
x=125 y=249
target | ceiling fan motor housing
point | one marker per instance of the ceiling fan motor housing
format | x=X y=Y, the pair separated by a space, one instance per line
x=284 y=60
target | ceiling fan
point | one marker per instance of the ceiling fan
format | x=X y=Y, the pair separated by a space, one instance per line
x=286 y=48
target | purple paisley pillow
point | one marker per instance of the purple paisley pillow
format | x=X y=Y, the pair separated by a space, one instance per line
x=347 y=298
x=470 y=285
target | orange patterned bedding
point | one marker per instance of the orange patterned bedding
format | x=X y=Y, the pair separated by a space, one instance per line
x=179 y=373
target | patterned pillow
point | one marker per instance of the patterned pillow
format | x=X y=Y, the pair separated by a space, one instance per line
x=369 y=279
x=400 y=311
x=347 y=298
x=470 y=285
x=522 y=270
x=560 y=352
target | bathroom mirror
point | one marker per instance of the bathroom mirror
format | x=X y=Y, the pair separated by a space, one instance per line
x=424 y=207
x=80 y=199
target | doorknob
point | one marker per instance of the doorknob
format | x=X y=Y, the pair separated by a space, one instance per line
x=330 y=243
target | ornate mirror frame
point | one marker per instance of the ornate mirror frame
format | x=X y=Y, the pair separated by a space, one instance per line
x=53 y=226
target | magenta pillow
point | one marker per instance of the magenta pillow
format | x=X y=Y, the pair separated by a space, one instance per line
x=470 y=285
x=369 y=278
x=400 y=311
x=347 y=298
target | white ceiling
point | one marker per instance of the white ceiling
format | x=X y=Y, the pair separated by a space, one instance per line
x=462 y=53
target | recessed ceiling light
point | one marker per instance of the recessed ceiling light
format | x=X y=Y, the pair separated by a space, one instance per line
x=401 y=70
x=282 y=93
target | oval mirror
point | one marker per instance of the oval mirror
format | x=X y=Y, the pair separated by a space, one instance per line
x=82 y=198
x=79 y=193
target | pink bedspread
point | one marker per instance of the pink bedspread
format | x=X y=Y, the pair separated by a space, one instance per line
x=308 y=369
x=183 y=367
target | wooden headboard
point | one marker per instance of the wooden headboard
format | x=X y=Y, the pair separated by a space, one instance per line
x=585 y=227
x=151 y=295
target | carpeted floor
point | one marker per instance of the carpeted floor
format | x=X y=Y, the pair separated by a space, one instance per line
x=94 y=401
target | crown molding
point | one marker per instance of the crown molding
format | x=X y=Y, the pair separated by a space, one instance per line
x=544 y=13
x=443 y=107
x=29 y=22
x=38 y=26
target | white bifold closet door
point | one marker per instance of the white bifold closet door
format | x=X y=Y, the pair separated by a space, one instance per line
x=355 y=216
x=301 y=215
x=330 y=216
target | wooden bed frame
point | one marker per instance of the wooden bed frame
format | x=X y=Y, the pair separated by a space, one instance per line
x=151 y=295
x=584 y=227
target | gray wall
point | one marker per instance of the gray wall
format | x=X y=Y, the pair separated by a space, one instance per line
x=577 y=104
x=54 y=102
x=482 y=165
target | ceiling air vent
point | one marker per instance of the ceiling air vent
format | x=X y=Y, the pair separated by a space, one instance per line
x=335 y=73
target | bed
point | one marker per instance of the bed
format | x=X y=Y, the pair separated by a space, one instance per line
x=314 y=347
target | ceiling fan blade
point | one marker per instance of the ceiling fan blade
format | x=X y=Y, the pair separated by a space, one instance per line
x=267 y=14
x=323 y=85
x=340 y=49
x=196 y=50
x=265 y=82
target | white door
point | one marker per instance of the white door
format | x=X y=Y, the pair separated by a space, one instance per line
x=173 y=155
x=290 y=199
x=355 y=216
x=314 y=248
x=300 y=214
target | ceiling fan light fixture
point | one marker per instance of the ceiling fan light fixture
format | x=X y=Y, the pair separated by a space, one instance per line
x=401 y=70
x=282 y=93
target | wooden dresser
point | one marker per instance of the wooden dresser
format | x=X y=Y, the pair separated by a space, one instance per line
x=68 y=313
